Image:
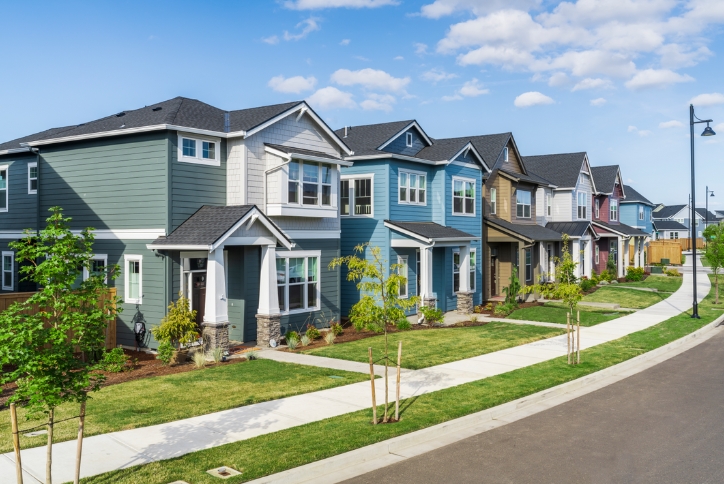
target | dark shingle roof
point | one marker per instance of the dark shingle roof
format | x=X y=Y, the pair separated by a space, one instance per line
x=604 y=177
x=48 y=133
x=668 y=211
x=442 y=149
x=668 y=225
x=720 y=213
x=301 y=151
x=632 y=196
x=573 y=229
x=561 y=169
x=702 y=214
x=527 y=231
x=621 y=228
x=530 y=177
x=431 y=230
x=489 y=145
x=364 y=140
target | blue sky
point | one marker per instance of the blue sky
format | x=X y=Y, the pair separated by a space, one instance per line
x=613 y=78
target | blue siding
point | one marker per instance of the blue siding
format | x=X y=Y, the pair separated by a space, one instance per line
x=629 y=215
x=407 y=211
x=399 y=145
x=471 y=225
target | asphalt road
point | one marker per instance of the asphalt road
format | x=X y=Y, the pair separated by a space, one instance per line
x=664 y=425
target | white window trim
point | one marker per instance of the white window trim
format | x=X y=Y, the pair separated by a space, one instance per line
x=452 y=194
x=404 y=258
x=579 y=205
x=34 y=164
x=198 y=159
x=11 y=287
x=104 y=258
x=597 y=202
x=549 y=204
x=6 y=168
x=505 y=154
x=528 y=253
x=351 y=179
x=320 y=185
x=598 y=255
x=408 y=139
x=302 y=254
x=613 y=203
x=493 y=200
x=473 y=268
x=641 y=213
x=412 y=172
x=530 y=205
x=126 y=259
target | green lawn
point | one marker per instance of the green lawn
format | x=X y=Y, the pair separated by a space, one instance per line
x=555 y=313
x=661 y=283
x=286 y=449
x=424 y=348
x=627 y=298
x=162 y=399
x=705 y=262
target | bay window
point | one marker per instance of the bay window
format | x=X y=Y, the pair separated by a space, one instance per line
x=412 y=187
x=309 y=183
x=463 y=196
x=298 y=282
x=522 y=203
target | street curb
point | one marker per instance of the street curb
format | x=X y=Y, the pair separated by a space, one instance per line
x=366 y=459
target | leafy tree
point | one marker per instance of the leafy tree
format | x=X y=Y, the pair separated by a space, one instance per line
x=381 y=307
x=513 y=289
x=50 y=339
x=714 y=252
x=565 y=286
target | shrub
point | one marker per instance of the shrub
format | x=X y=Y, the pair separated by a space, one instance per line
x=683 y=259
x=252 y=355
x=673 y=273
x=587 y=284
x=305 y=340
x=217 y=355
x=403 y=324
x=611 y=264
x=292 y=342
x=165 y=352
x=336 y=328
x=179 y=325
x=329 y=337
x=473 y=319
x=503 y=310
x=292 y=334
x=199 y=359
x=489 y=306
x=312 y=332
x=432 y=315
x=511 y=292
x=635 y=274
x=115 y=360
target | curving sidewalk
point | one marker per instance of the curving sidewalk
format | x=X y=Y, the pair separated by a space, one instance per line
x=117 y=450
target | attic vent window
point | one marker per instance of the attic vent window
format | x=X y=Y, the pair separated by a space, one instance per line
x=408 y=139
x=505 y=154
x=157 y=109
x=120 y=114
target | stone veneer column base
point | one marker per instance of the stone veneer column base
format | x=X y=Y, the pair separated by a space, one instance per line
x=427 y=302
x=465 y=302
x=268 y=327
x=216 y=335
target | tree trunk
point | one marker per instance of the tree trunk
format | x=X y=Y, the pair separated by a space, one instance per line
x=372 y=380
x=79 y=451
x=16 y=443
x=387 y=396
x=716 y=297
x=49 y=457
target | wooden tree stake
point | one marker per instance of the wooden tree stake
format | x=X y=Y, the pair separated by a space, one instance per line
x=568 y=337
x=49 y=459
x=399 y=360
x=79 y=451
x=578 y=339
x=372 y=379
x=16 y=442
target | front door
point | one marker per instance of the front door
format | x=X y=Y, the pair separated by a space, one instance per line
x=198 y=294
x=493 y=276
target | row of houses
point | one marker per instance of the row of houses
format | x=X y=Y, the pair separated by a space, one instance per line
x=673 y=222
x=242 y=212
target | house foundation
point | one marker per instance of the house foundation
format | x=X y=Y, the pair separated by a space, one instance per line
x=465 y=302
x=215 y=335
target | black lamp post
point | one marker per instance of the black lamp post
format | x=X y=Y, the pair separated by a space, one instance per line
x=692 y=225
x=706 y=224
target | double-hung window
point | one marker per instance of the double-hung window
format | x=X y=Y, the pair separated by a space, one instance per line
x=133 y=279
x=673 y=235
x=408 y=140
x=403 y=270
x=456 y=270
x=8 y=271
x=298 y=282
x=356 y=196
x=493 y=200
x=582 y=205
x=201 y=151
x=522 y=203
x=309 y=183
x=641 y=213
x=413 y=187
x=614 y=209
x=4 y=188
x=549 y=204
x=32 y=178
x=98 y=264
x=463 y=196
x=528 y=265
x=598 y=255
x=598 y=208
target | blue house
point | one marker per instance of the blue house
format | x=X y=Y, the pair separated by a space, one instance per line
x=635 y=210
x=419 y=200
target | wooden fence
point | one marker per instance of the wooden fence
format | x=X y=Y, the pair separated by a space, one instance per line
x=7 y=299
x=686 y=243
x=664 y=249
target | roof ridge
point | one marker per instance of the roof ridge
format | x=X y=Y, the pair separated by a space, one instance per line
x=377 y=124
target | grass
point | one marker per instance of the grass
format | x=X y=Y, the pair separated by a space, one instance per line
x=661 y=283
x=424 y=348
x=156 y=400
x=286 y=449
x=556 y=313
x=705 y=262
x=627 y=298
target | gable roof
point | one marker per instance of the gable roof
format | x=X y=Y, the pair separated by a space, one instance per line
x=668 y=225
x=605 y=177
x=561 y=169
x=573 y=229
x=364 y=140
x=632 y=196
x=530 y=177
x=527 y=232
x=668 y=211
x=702 y=213
x=621 y=229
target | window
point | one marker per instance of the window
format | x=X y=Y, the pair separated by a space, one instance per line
x=8 y=271
x=528 y=265
x=598 y=257
x=493 y=200
x=298 y=282
x=357 y=196
x=598 y=208
x=413 y=188
x=98 y=265
x=614 y=209
x=505 y=154
x=344 y=197
x=133 y=279
x=403 y=271
x=463 y=196
x=203 y=152
x=582 y=202
x=208 y=151
x=673 y=235
x=32 y=178
x=309 y=183
x=549 y=204
x=641 y=213
x=472 y=269
x=522 y=203
x=189 y=147
x=456 y=270
x=408 y=140
x=4 y=188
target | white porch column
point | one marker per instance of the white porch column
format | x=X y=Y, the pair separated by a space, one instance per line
x=576 y=256
x=542 y=261
x=637 y=251
x=588 y=259
x=215 y=309
x=426 y=293
x=268 y=295
x=621 y=249
x=464 y=268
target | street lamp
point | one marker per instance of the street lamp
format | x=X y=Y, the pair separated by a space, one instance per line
x=707 y=132
x=706 y=224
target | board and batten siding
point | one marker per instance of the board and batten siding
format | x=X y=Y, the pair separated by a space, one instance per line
x=22 y=206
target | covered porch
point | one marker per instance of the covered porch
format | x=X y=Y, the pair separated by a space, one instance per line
x=619 y=240
x=582 y=240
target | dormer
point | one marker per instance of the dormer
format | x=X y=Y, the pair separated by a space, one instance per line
x=409 y=141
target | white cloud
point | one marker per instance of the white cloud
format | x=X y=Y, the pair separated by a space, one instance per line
x=533 y=98
x=379 y=102
x=437 y=75
x=674 y=56
x=632 y=129
x=656 y=78
x=671 y=124
x=344 y=42
x=331 y=98
x=598 y=101
x=558 y=79
x=399 y=58
x=711 y=99
x=719 y=128
x=271 y=40
x=590 y=83
x=294 y=84
x=420 y=48
x=454 y=97
x=473 y=88
x=370 y=79
x=644 y=132
x=308 y=26
x=441 y=8
x=319 y=4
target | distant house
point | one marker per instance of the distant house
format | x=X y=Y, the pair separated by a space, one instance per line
x=636 y=210
x=682 y=215
x=669 y=229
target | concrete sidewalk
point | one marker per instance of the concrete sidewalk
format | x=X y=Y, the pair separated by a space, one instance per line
x=128 y=448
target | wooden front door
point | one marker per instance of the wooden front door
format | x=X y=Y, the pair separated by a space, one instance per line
x=493 y=276
x=198 y=295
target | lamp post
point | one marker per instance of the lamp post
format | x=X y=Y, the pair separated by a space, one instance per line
x=706 y=215
x=707 y=132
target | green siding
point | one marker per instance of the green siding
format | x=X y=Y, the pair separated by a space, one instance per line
x=21 y=212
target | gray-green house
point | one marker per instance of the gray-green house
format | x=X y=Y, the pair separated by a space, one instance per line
x=238 y=210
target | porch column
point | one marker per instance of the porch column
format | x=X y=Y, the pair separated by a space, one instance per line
x=216 y=318
x=268 y=317
x=576 y=256
x=426 y=293
x=637 y=252
x=588 y=259
x=465 y=296
x=621 y=249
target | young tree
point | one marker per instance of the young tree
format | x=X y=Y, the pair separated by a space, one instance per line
x=381 y=306
x=714 y=253
x=50 y=339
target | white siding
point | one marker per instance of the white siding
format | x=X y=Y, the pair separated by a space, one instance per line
x=541 y=209
x=235 y=171
x=562 y=206
x=583 y=185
